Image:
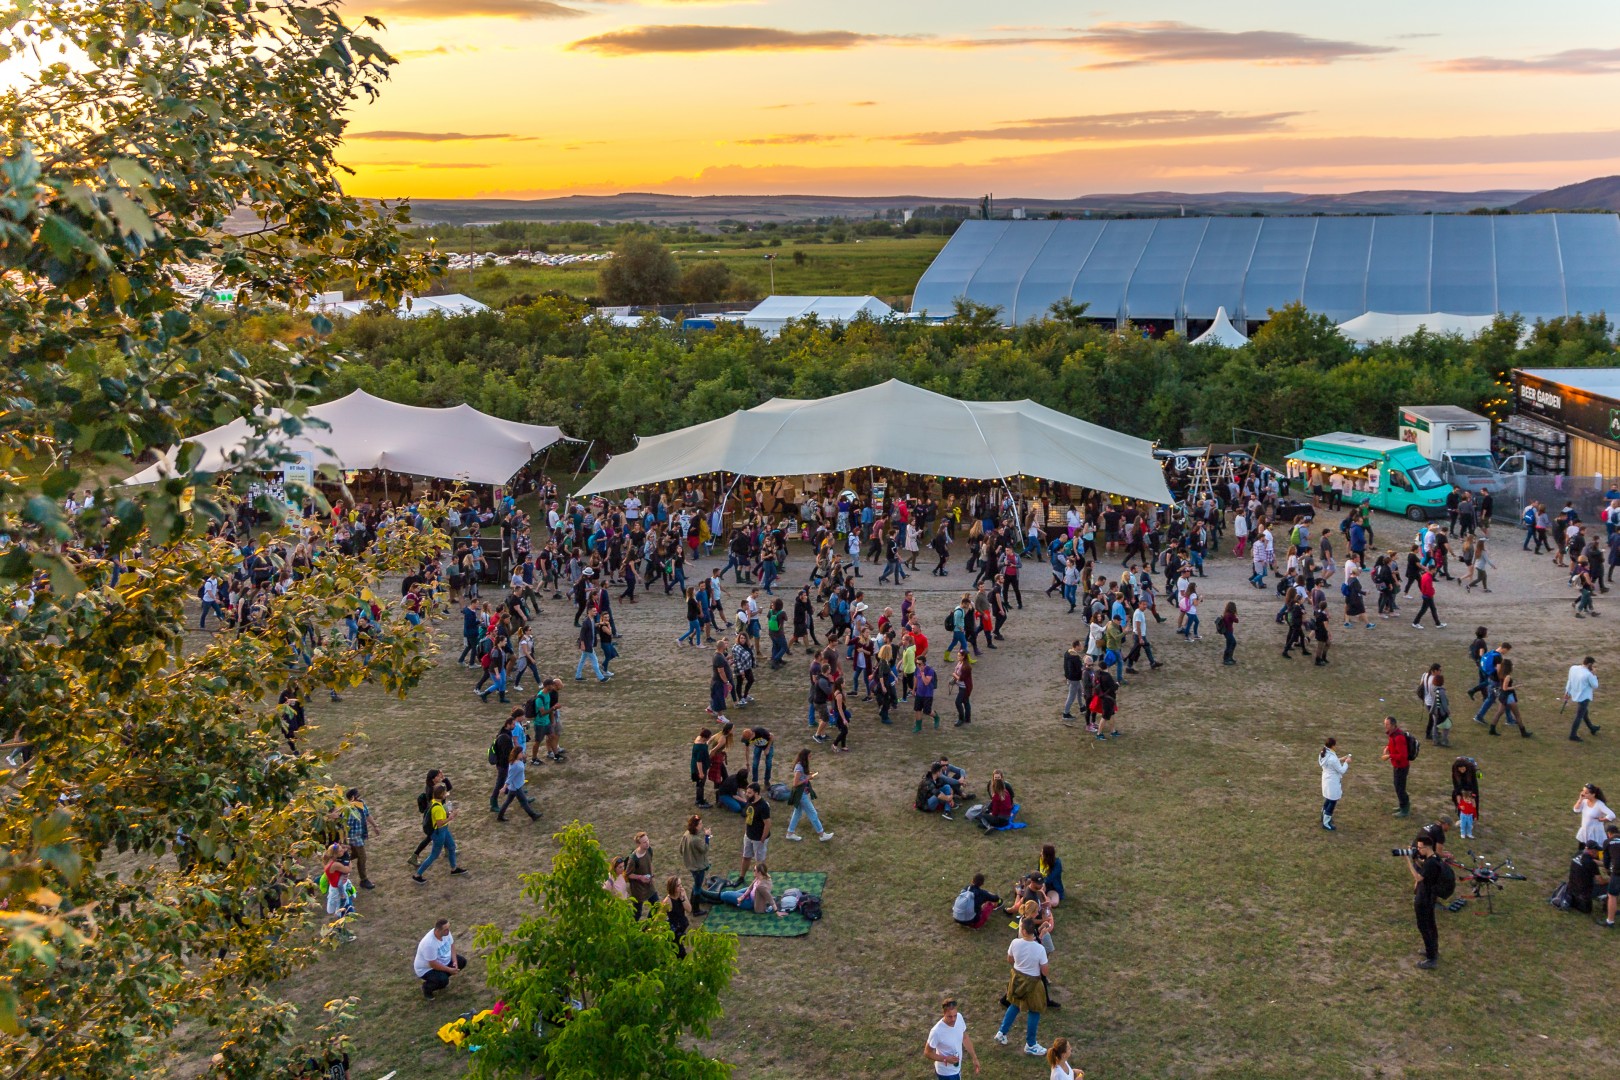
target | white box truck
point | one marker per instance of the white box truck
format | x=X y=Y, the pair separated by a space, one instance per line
x=1458 y=443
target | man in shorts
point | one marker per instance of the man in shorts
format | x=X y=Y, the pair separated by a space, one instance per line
x=756 y=829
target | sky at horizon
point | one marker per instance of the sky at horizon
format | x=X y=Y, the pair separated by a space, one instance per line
x=1030 y=98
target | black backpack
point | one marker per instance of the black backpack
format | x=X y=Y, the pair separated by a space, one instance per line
x=1448 y=881
x=810 y=908
x=1412 y=748
x=948 y=615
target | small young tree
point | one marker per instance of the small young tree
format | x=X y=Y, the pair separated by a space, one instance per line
x=593 y=994
x=642 y=271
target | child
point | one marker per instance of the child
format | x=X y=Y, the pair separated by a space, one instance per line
x=1467 y=809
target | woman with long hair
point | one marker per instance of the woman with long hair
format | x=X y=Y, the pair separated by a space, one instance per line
x=802 y=797
x=1333 y=770
x=1508 y=694
x=1057 y=1059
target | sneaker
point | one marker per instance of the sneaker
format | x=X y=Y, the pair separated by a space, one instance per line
x=1576 y=738
x=824 y=837
x=1595 y=728
x=458 y=871
x=946 y=814
x=367 y=885
x=426 y=992
x=794 y=837
x=1417 y=626
x=1402 y=813
x=1428 y=965
x=1000 y=1038
x=818 y=738
x=1440 y=626
x=419 y=879
x=1035 y=1050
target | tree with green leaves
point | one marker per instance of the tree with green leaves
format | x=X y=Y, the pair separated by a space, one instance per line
x=592 y=994
x=153 y=832
x=642 y=271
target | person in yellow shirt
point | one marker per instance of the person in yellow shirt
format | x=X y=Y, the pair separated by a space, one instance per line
x=439 y=817
x=908 y=666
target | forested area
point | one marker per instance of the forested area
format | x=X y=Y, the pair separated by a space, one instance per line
x=544 y=362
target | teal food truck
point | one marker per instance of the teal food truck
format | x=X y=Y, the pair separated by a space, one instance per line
x=1389 y=474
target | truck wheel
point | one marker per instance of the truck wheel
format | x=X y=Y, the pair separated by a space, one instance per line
x=1416 y=513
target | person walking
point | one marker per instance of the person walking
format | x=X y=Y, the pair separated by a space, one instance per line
x=1226 y=623
x=1507 y=694
x=1026 y=985
x=514 y=788
x=802 y=797
x=1398 y=752
x=947 y=1041
x=1579 y=687
x=1426 y=590
x=1074 y=671
x=588 y=637
x=1333 y=770
x=439 y=817
x=500 y=756
x=359 y=826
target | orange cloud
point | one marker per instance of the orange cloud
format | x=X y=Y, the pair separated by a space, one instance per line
x=1181 y=43
x=1568 y=62
x=1150 y=124
x=791 y=140
x=634 y=40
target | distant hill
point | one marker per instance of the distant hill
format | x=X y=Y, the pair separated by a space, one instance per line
x=1602 y=193
x=707 y=209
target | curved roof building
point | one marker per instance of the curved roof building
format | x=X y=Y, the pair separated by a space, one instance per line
x=1536 y=265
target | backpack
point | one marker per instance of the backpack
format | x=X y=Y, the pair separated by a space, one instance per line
x=1560 y=897
x=1412 y=748
x=529 y=712
x=778 y=792
x=1420 y=686
x=949 y=620
x=1344 y=589
x=963 y=909
x=810 y=908
x=1448 y=881
x=494 y=756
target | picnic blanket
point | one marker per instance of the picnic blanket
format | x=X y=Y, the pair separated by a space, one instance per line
x=724 y=918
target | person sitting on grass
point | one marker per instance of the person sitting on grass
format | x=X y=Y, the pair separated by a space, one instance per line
x=756 y=896
x=933 y=796
x=999 y=814
x=974 y=905
x=728 y=792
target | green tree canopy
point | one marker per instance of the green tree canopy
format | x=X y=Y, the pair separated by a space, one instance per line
x=592 y=994
x=642 y=271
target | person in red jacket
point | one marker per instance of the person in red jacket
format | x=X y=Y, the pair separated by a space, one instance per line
x=1397 y=754
x=1426 y=589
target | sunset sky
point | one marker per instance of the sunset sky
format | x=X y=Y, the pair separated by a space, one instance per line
x=530 y=98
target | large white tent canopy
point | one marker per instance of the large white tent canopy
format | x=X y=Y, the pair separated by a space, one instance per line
x=896 y=426
x=366 y=432
x=1221 y=332
x=1384 y=326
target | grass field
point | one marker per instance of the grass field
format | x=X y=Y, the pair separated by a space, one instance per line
x=883 y=267
x=1212 y=928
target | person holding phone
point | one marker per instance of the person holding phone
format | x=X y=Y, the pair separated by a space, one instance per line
x=1333 y=770
x=947 y=1041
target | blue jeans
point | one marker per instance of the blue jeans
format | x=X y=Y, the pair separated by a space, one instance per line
x=579 y=669
x=729 y=803
x=1070 y=593
x=497 y=685
x=958 y=641
x=694 y=630
x=442 y=841
x=1033 y=1023
x=779 y=647
x=1488 y=699
x=212 y=605
x=806 y=810
x=770 y=754
x=1192 y=625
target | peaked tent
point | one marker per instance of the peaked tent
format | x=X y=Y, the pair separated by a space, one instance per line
x=1221 y=332
x=896 y=426
x=1382 y=326
x=366 y=432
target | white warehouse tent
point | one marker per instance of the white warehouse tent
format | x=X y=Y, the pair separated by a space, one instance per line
x=775 y=312
x=896 y=426
x=418 y=306
x=1221 y=332
x=1383 y=326
x=366 y=432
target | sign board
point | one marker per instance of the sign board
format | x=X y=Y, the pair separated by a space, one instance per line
x=1410 y=421
x=1568 y=409
x=300 y=471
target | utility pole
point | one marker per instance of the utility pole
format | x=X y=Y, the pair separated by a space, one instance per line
x=771 y=259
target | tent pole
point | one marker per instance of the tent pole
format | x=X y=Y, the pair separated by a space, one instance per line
x=385 y=485
x=584 y=459
x=1018 y=519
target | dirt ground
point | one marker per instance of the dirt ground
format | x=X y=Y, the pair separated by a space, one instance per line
x=1211 y=928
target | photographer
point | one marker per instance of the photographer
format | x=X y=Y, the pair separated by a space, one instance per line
x=1427 y=871
x=1585 y=874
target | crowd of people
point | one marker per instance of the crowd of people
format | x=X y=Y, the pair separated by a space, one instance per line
x=866 y=658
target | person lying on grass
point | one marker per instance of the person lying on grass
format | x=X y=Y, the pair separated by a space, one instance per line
x=756 y=896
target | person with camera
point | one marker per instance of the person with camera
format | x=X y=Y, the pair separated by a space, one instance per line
x=1427 y=874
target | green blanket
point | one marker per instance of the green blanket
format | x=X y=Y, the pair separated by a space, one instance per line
x=733 y=920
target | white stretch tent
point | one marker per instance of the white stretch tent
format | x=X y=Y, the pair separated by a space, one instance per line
x=1382 y=326
x=896 y=426
x=419 y=306
x=1221 y=332
x=366 y=432
x=775 y=312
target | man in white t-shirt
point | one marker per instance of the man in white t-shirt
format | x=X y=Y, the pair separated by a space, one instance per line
x=632 y=509
x=947 y=1041
x=436 y=958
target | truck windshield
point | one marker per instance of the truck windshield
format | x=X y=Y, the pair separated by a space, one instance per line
x=1424 y=476
x=1474 y=461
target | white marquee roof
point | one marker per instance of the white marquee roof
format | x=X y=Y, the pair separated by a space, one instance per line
x=771 y=312
x=896 y=426
x=1221 y=332
x=367 y=432
x=1383 y=326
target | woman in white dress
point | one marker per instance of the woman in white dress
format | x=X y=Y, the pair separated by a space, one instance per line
x=1594 y=812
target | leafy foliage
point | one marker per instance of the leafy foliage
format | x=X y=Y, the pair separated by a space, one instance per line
x=642 y=271
x=148 y=825
x=636 y=999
